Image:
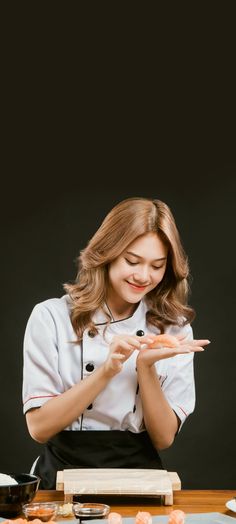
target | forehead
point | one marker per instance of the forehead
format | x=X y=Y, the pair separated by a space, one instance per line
x=148 y=246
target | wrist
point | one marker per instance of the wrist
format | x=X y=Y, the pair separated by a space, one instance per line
x=108 y=371
x=143 y=364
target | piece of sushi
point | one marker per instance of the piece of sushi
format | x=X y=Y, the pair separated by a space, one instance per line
x=114 y=518
x=20 y=520
x=177 y=516
x=143 y=517
x=161 y=341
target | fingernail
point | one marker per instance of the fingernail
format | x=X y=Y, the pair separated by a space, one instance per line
x=144 y=346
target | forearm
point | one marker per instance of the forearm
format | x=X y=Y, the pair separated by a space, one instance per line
x=160 y=420
x=58 y=413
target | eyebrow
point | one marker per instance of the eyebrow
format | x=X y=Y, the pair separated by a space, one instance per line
x=138 y=256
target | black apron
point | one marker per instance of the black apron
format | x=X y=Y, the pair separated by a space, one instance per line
x=95 y=449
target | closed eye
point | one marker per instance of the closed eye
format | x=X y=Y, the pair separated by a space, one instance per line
x=136 y=263
x=131 y=263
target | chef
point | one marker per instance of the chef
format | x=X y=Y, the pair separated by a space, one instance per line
x=93 y=392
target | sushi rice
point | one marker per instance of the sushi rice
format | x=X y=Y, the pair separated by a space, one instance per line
x=7 y=480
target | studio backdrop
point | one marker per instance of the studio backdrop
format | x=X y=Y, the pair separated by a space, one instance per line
x=41 y=237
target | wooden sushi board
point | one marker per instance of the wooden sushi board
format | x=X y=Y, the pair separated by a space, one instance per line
x=109 y=481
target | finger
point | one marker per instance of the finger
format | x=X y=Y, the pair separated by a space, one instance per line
x=117 y=356
x=203 y=342
x=134 y=342
x=190 y=349
x=147 y=339
x=125 y=346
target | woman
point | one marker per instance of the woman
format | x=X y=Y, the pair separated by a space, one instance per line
x=93 y=391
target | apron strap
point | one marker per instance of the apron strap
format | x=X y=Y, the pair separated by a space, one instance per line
x=95 y=449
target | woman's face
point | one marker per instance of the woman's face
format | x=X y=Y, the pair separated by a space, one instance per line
x=137 y=270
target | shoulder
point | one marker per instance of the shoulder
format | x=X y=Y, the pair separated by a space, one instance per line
x=56 y=308
x=54 y=304
x=51 y=318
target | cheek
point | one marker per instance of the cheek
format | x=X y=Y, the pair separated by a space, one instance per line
x=114 y=273
x=118 y=271
x=157 y=277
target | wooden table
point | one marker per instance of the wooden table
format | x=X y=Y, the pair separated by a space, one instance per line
x=190 y=501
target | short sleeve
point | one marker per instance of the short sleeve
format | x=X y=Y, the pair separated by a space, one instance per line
x=178 y=384
x=41 y=379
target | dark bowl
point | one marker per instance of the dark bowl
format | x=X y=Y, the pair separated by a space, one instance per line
x=90 y=510
x=14 y=496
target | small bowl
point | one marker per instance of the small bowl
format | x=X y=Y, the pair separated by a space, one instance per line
x=44 y=511
x=89 y=510
x=13 y=496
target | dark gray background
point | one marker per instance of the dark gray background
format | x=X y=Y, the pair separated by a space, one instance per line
x=92 y=113
x=42 y=234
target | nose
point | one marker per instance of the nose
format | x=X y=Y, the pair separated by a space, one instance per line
x=141 y=276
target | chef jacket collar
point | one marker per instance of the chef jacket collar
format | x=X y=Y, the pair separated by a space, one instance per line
x=99 y=318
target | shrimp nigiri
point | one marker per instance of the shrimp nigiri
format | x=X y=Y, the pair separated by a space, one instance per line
x=143 y=517
x=20 y=520
x=114 y=518
x=160 y=341
x=177 y=516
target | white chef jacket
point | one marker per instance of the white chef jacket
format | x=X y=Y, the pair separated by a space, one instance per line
x=53 y=363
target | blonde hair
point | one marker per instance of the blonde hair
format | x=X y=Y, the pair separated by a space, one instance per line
x=131 y=218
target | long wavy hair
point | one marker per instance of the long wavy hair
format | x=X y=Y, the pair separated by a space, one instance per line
x=128 y=220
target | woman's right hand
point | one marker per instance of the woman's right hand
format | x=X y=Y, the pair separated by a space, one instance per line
x=121 y=348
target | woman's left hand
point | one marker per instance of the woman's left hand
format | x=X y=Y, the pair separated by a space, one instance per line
x=148 y=356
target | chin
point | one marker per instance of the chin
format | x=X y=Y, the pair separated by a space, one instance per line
x=134 y=300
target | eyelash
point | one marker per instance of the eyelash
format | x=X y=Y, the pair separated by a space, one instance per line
x=135 y=264
x=131 y=263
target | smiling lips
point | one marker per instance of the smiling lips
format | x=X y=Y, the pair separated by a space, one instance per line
x=135 y=287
